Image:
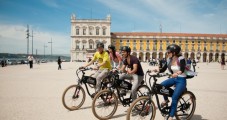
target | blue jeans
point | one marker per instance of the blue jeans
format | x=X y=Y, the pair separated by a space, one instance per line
x=180 y=83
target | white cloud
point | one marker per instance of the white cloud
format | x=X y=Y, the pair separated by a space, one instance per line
x=189 y=16
x=51 y=3
x=13 y=39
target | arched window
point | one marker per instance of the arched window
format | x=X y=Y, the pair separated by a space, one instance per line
x=103 y=30
x=97 y=30
x=77 y=30
x=84 y=30
x=91 y=30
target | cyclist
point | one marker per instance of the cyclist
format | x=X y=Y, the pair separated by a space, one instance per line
x=103 y=65
x=134 y=70
x=114 y=57
x=176 y=65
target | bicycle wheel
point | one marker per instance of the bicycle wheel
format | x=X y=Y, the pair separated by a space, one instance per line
x=186 y=106
x=143 y=90
x=143 y=108
x=73 y=97
x=104 y=104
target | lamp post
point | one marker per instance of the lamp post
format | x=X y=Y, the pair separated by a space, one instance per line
x=27 y=40
x=51 y=46
x=44 y=49
x=32 y=41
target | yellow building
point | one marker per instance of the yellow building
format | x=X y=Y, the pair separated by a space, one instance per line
x=146 y=45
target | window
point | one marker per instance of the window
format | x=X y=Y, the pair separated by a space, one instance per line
x=127 y=40
x=173 y=41
x=134 y=40
x=134 y=46
x=186 y=47
x=84 y=31
x=97 y=31
x=77 y=31
x=211 y=46
x=141 y=41
x=167 y=42
x=104 y=31
x=147 y=46
x=77 y=45
x=90 y=46
x=141 y=46
x=147 y=41
x=91 y=30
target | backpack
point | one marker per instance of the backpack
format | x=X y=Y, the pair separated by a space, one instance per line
x=188 y=72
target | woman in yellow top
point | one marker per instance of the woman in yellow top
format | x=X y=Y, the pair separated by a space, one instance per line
x=103 y=65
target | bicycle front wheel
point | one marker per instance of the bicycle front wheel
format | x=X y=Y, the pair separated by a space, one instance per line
x=143 y=90
x=186 y=106
x=73 y=97
x=143 y=108
x=104 y=104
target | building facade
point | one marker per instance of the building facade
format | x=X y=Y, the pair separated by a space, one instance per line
x=86 y=33
x=202 y=47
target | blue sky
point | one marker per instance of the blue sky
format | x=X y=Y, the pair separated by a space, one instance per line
x=50 y=19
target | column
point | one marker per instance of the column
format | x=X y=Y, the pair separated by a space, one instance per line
x=157 y=55
x=137 y=54
x=144 y=56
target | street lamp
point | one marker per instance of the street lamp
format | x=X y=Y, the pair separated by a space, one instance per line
x=44 y=49
x=27 y=40
x=51 y=46
x=32 y=41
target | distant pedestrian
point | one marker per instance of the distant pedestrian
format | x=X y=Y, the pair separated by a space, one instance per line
x=30 y=59
x=3 y=62
x=222 y=63
x=194 y=64
x=59 y=63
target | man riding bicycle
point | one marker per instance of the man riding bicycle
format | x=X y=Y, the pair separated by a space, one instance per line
x=103 y=65
x=177 y=67
x=134 y=70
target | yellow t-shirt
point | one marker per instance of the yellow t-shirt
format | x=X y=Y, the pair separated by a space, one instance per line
x=102 y=57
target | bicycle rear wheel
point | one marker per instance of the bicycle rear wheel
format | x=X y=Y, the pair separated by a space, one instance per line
x=143 y=108
x=104 y=104
x=186 y=106
x=73 y=97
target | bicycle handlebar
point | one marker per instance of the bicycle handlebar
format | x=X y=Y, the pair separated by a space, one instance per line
x=158 y=74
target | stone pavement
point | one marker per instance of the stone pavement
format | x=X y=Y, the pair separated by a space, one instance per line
x=35 y=94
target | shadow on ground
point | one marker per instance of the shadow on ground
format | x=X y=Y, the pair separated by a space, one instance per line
x=198 y=117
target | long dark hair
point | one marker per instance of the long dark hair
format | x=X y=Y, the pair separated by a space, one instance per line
x=114 y=53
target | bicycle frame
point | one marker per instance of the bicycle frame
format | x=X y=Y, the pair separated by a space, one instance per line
x=155 y=93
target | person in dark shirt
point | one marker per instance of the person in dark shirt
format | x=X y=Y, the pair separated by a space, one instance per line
x=59 y=63
x=134 y=70
x=193 y=64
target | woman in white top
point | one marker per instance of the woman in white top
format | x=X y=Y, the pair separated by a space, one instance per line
x=176 y=66
x=115 y=57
